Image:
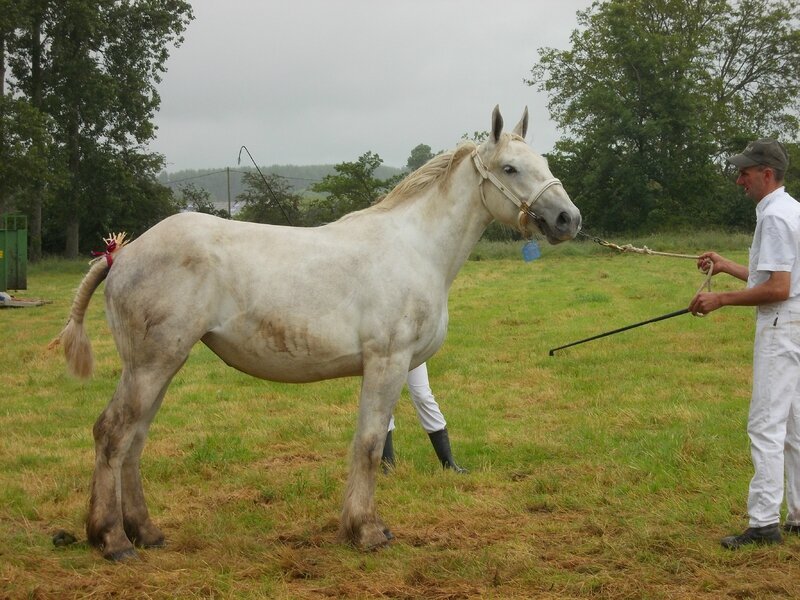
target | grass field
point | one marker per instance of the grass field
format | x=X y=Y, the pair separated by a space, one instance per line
x=610 y=470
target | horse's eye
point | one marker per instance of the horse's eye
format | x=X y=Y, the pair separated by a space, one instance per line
x=509 y=170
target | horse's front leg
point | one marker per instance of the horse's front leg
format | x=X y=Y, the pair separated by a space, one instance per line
x=383 y=380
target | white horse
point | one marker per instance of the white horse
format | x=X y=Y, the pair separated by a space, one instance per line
x=365 y=295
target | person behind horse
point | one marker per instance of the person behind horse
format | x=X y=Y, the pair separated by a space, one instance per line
x=430 y=417
x=773 y=285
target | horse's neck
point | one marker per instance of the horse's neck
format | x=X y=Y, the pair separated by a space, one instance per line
x=450 y=223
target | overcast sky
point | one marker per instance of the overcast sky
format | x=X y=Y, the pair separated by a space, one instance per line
x=324 y=81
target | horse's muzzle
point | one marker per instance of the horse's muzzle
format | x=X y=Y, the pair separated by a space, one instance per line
x=568 y=225
x=565 y=227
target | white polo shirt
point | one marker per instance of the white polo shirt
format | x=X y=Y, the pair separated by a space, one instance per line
x=776 y=242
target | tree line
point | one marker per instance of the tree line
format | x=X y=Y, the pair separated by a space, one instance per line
x=78 y=99
x=651 y=95
x=267 y=196
x=227 y=182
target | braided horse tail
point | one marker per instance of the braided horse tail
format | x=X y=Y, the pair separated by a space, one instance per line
x=77 y=346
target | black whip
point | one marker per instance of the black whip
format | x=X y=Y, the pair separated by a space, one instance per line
x=683 y=311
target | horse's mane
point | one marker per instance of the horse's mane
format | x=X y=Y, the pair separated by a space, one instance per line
x=434 y=172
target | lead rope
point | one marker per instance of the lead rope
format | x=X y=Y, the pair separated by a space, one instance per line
x=645 y=250
x=632 y=248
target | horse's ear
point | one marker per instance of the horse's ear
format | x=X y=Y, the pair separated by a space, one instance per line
x=497 y=124
x=522 y=127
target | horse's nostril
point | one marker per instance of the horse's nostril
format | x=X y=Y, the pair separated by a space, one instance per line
x=563 y=221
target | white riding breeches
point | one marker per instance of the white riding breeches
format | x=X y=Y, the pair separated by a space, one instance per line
x=428 y=412
x=774 y=420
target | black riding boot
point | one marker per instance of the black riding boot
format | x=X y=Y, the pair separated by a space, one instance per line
x=387 y=459
x=441 y=444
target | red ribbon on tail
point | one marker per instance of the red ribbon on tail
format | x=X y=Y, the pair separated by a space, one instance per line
x=113 y=242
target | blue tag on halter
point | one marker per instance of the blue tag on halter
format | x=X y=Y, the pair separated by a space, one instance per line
x=530 y=251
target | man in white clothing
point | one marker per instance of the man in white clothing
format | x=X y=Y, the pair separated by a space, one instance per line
x=773 y=286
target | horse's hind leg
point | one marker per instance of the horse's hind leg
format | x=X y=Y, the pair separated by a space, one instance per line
x=136 y=519
x=117 y=507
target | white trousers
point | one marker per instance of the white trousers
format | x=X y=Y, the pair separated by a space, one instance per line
x=428 y=412
x=774 y=420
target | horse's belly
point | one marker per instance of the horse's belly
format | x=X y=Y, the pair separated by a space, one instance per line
x=278 y=353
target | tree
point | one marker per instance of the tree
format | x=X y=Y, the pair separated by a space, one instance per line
x=198 y=199
x=653 y=93
x=24 y=138
x=418 y=157
x=23 y=149
x=477 y=137
x=92 y=68
x=353 y=187
x=269 y=200
x=21 y=35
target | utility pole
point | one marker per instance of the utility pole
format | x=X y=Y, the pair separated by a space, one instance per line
x=228 y=172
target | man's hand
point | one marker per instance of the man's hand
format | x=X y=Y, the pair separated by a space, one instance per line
x=720 y=264
x=711 y=260
x=704 y=303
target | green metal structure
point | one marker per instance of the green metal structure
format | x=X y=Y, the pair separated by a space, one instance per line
x=14 y=252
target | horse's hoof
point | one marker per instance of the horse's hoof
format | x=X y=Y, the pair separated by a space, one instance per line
x=378 y=545
x=374 y=538
x=388 y=534
x=121 y=555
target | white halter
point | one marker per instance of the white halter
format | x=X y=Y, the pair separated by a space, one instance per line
x=525 y=207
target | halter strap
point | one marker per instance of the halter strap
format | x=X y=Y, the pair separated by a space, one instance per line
x=524 y=207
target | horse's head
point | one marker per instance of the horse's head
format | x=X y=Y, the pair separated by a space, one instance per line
x=524 y=193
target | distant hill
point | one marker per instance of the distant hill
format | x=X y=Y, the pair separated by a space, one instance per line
x=215 y=181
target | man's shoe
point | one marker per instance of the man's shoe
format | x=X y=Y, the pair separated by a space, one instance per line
x=769 y=534
x=791 y=528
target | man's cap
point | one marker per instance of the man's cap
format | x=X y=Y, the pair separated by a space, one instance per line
x=766 y=152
